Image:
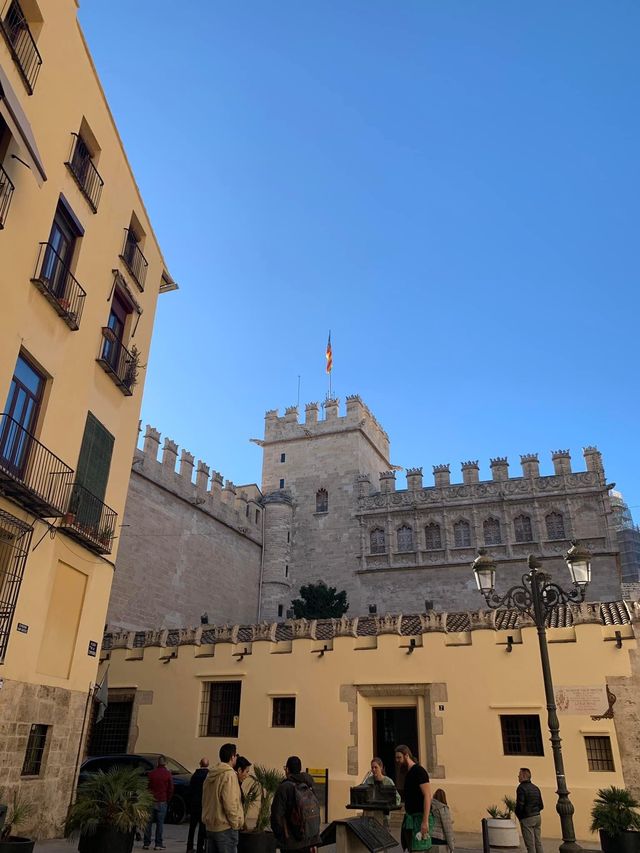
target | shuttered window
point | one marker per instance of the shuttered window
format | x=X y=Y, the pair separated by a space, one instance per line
x=95 y=458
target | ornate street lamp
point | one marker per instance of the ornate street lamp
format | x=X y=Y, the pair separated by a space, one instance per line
x=538 y=596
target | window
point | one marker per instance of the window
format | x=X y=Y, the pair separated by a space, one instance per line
x=115 y=358
x=17 y=33
x=284 y=712
x=246 y=510
x=35 y=750
x=82 y=167
x=555 y=525
x=282 y=457
x=522 y=528
x=282 y=483
x=111 y=736
x=599 y=753
x=94 y=461
x=288 y=536
x=59 y=252
x=491 y=530
x=433 y=538
x=377 y=541
x=405 y=538
x=280 y=611
x=257 y=516
x=15 y=540
x=521 y=734
x=462 y=534
x=322 y=500
x=220 y=710
x=6 y=184
x=21 y=409
x=132 y=255
x=286 y=570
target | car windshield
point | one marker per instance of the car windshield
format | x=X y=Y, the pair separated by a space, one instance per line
x=172 y=765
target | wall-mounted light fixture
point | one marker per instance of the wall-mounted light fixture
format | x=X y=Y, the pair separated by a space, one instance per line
x=320 y=652
x=410 y=647
x=618 y=636
x=173 y=655
x=240 y=655
x=509 y=644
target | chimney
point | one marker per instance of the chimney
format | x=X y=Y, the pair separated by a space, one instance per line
x=593 y=458
x=387 y=482
x=470 y=472
x=561 y=461
x=441 y=476
x=500 y=468
x=414 y=479
x=530 y=465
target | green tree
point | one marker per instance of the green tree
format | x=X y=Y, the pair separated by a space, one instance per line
x=319 y=601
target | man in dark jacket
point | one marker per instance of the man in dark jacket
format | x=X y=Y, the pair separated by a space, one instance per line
x=161 y=787
x=528 y=807
x=195 y=807
x=284 y=803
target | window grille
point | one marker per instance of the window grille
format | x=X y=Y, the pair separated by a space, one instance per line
x=433 y=537
x=220 y=708
x=322 y=500
x=599 y=753
x=35 y=750
x=405 y=538
x=111 y=735
x=461 y=534
x=522 y=528
x=15 y=541
x=521 y=734
x=284 y=712
x=492 y=534
x=555 y=525
x=377 y=541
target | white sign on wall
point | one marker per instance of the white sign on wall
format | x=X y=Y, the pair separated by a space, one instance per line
x=581 y=700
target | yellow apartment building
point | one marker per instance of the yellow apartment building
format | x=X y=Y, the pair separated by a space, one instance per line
x=80 y=273
x=463 y=690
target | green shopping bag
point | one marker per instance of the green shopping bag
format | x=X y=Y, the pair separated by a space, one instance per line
x=412 y=824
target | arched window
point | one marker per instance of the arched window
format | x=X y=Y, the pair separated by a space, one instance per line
x=377 y=541
x=433 y=538
x=405 y=538
x=322 y=500
x=491 y=529
x=555 y=525
x=522 y=528
x=461 y=534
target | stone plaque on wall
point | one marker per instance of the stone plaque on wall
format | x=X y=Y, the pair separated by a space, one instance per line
x=581 y=700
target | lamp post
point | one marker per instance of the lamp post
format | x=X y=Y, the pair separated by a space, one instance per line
x=537 y=597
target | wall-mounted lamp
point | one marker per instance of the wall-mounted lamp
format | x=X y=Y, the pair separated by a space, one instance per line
x=618 y=636
x=171 y=657
x=242 y=654
x=509 y=644
x=410 y=647
x=320 y=652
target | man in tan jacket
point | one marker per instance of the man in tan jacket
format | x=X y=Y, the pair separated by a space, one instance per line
x=222 y=812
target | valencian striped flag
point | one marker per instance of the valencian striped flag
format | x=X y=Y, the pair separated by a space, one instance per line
x=329 y=355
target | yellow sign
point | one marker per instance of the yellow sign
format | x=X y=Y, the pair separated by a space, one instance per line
x=314 y=771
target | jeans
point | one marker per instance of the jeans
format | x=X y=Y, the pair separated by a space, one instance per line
x=195 y=821
x=222 y=842
x=531 y=833
x=158 y=814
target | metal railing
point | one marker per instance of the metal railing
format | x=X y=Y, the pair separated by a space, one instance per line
x=89 y=520
x=81 y=166
x=116 y=360
x=6 y=192
x=30 y=473
x=22 y=45
x=133 y=258
x=56 y=282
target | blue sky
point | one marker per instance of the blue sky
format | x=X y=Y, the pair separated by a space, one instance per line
x=452 y=187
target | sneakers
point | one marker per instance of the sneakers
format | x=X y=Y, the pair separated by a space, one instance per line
x=159 y=847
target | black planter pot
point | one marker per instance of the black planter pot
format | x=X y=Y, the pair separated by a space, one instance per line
x=256 y=842
x=105 y=840
x=15 y=844
x=626 y=842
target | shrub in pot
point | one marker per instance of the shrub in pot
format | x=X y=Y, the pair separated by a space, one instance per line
x=109 y=808
x=265 y=782
x=503 y=831
x=18 y=812
x=615 y=817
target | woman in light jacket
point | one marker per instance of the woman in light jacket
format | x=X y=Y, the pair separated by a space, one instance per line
x=442 y=832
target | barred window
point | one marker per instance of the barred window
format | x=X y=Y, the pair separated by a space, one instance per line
x=284 y=712
x=555 y=525
x=220 y=709
x=522 y=528
x=433 y=537
x=15 y=540
x=599 y=753
x=322 y=500
x=36 y=743
x=461 y=534
x=377 y=541
x=491 y=530
x=405 y=538
x=521 y=734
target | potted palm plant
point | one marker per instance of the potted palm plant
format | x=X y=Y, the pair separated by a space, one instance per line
x=260 y=793
x=18 y=812
x=615 y=817
x=503 y=831
x=109 y=808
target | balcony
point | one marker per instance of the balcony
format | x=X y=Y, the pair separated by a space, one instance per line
x=89 y=520
x=20 y=42
x=59 y=286
x=116 y=360
x=31 y=474
x=6 y=193
x=133 y=258
x=84 y=172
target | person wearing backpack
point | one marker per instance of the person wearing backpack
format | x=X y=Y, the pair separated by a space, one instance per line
x=295 y=811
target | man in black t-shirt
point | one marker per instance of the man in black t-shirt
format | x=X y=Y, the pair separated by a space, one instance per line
x=417 y=797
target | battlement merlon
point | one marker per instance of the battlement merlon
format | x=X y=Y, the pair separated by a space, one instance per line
x=289 y=427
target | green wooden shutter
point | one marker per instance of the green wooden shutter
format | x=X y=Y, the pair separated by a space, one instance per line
x=95 y=458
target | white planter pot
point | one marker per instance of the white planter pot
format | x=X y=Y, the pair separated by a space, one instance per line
x=503 y=833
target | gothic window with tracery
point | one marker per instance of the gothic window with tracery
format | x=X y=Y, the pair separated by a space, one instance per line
x=462 y=534
x=377 y=541
x=555 y=525
x=405 y=538
x=491 y=529
x=322 y=500
x=433 y=537
x=522 y=528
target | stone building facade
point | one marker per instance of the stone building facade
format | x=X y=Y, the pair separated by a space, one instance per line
x=329 y=509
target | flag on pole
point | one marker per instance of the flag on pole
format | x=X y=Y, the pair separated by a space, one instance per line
x=102 y=697
x=329 y=355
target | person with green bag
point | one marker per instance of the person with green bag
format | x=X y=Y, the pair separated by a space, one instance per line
x=416 y=827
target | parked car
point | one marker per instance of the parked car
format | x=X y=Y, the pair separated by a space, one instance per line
x=146 y=761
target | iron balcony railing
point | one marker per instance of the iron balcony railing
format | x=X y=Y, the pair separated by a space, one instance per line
x=6 y=192
x=22 y=45
x=133 y=258
x=85 y=174
x=116 y=360
x=59 y=286
x=30 y=473
x=89 y=520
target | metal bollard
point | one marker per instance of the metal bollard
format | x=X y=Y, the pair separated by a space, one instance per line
x=486 y=847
